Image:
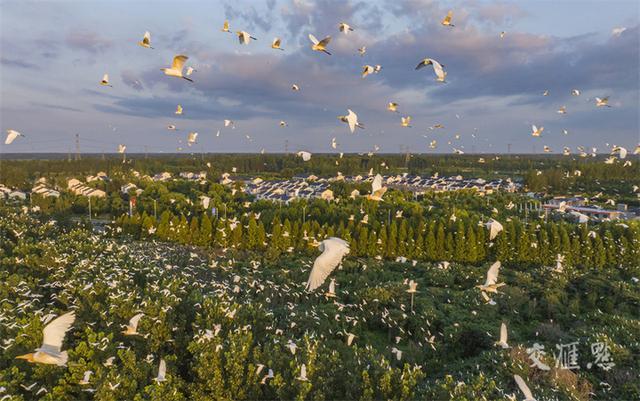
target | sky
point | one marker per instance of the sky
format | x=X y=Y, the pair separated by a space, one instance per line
x=53 y=55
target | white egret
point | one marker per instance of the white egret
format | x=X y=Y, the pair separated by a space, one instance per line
x=377 y=190
x=176 y=67
x=225 y=27
x=146 y=40
x=447 y=20
x=319 y=46
x=179 y=110
x=494 y=228
x=132 y=327
x=345 y=28
x=535 y=131
x=528 y=396
x=405 y=121
x=333 y=250
x=105 y=81
x=352 y=119
x=503 y=337
x=306 y=156
x=162 y=372
x=491 y=284
x=244 y=37
x=11 y=136
x=392 y=106
x=276 y=44
x=53 y=335
x=602 y=102
x=438 y=69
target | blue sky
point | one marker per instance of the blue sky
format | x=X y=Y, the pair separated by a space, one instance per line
x=54 y=54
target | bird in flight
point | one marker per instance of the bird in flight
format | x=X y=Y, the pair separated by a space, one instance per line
x=437 y=68
x=405 y=121
x=333 y=250
x=345 y=28
x=352 y=119
x=377 y=190
x=535 y=131
x=176 y=67
x=11 y=136
x=447 y=20
x=319 y=46
x=146 y=40
x=53 y=335
x=392 y=106
x=225 y=27
x=105 y=81
x=132 y=327
x=276 y=44
x=602 y=102
x=244 y=37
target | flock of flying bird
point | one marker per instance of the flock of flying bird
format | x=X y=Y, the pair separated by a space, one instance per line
x=177 y=70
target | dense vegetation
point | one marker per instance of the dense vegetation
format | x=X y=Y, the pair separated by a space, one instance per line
x=262 y=308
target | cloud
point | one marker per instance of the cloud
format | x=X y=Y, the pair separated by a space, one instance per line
x=131 y=79
x=88 y=41
x=17 y=63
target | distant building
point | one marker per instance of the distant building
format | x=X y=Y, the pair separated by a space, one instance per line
x=75 y=186
x=42 y=190
x=164 y=176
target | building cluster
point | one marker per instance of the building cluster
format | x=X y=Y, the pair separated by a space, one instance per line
x=75 y=186
x=314 y=187
x=8 y=193
x=420 y=185
x=287 y=190
x=579 y=210
x=41 y=188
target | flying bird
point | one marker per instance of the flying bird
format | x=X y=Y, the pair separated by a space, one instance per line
x=494 y=228
x=276 y=44
x=191 y=139
x=319 y=46
x=306 y=156
x=244 y=37
x=437 y=68
x=225 y=27
x=105 y=81
x=447 y=20
x=491 y=284
x=392 y=106
x=53 y=334
x=352 y=119
x=377 y=190
x=176 y=67
x=132 y=327
x=11 y=136
x=366 y=70
x=146 y=40
x=333 y=250
x=535 y=131
x=362 y=50
x=162 y=372
x=405 y=121
x=503 y=337
x=345 y=28
x=179 y=110
x=602 y=102
x=575 y=92
x=528 y=396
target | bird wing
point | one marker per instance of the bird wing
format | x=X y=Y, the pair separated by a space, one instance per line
x=276 y=42
x=325 y=41
x=134 y=320
x=534 y=128
x=437 y=68
x=225 y=26
x=147 y=38
x=162 y=369
x=11 y=136
x=313 y=39
x=376 y=184
x=352 y=120
x=503 y=333
x=333 y=250
x=523 y=387
x=492 y=273
x=178 y=62
x=421 y=64
x=105 y=77
x=53 y=333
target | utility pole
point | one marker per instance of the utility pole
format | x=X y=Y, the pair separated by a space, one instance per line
x=155 y=212
x=77 y=146
x=286 y=146
x=89 y=209
x=509 y=148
